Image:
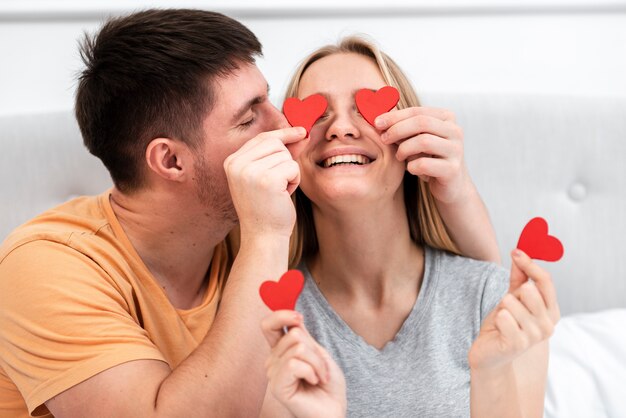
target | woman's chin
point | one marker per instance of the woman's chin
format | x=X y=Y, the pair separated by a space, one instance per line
x=345 y=193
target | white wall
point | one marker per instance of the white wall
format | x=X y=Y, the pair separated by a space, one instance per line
x=575 y=47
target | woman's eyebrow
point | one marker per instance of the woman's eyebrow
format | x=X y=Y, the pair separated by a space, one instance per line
x=354 y=92
x=323 y=94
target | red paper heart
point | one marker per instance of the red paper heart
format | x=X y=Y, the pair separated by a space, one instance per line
x=304 y=112
x=284 y=293
x=536 y=242
x=371 y=104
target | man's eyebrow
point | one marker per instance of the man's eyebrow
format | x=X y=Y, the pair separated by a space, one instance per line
x=243 y=109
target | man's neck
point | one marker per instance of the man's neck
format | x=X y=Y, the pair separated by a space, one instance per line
x=174 y=238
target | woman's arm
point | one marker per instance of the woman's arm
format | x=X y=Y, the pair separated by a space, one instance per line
x=509 y=358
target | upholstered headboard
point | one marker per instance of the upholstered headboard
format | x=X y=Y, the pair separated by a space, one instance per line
x=562 y=158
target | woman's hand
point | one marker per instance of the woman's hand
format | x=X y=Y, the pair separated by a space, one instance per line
x=302 y=375
x=431 y=143
x=525 y=317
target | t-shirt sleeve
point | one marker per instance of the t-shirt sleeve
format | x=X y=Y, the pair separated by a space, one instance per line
x=496 y=286
x=62 y=320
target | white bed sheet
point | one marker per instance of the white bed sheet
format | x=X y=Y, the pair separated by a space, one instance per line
x=587 y=371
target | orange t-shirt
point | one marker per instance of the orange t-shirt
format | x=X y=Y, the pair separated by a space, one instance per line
x=76 y=299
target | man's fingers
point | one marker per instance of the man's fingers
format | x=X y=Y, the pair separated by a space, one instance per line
x=273 y=324
x=420 y=124
x=424 y=144
x=392 y=117
x=431 y=167
x=289 y=135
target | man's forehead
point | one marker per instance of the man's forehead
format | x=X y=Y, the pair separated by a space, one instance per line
x=235 y=93
x=244 y=81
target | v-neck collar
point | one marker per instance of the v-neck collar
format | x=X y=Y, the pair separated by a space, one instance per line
x=413 y=320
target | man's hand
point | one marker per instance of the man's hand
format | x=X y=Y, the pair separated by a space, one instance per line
x=302 y=375
x=261 y=177
x=431 y=143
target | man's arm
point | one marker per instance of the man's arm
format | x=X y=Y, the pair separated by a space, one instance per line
x=468 y=223
x=431 y=143
x=224 y=376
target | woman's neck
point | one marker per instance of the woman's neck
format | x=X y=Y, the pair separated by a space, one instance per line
x=366 y=253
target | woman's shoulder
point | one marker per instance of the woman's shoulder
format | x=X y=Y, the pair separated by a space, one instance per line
x=450 y=258
x=474 y=272
x=463 y=278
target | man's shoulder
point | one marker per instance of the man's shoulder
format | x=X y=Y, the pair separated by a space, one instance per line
x=71 y=245
x=75 y=220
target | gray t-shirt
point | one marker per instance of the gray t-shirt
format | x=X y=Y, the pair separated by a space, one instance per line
x=423 y=371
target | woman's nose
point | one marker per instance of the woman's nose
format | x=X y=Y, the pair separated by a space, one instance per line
x=343 y=125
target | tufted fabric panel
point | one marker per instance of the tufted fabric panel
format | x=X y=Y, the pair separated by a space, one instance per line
x=560 y=158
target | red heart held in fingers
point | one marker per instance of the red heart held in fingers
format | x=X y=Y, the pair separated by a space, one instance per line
x=536 y=242
x=371 y=104
x=304 y=112
x=284 y=293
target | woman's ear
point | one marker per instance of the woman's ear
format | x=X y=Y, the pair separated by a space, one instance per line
x=167 y=158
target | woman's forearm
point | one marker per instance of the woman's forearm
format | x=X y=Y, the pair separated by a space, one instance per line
x=494 y=393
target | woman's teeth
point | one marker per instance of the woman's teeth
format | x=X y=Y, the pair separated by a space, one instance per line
x=345 y=159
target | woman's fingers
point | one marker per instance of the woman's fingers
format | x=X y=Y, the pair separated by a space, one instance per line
x=532 y=319
x=542 y=280
x=309 y=355
x=507 y=325
x=287 y=372
x=531 y=330
x=297 y=343
x=273 y=324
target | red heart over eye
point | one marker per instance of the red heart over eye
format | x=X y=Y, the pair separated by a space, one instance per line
x=304 y=112
x=371 y=104
x=536 y=242
x=284 y=293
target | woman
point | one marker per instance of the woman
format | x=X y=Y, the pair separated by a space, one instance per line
x=395 y=310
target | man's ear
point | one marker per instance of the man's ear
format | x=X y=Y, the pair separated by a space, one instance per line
x=168 y=159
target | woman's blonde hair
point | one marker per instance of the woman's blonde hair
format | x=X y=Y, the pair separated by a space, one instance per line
x=425 y=222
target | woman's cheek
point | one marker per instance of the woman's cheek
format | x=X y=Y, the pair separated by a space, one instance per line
x=296 y=149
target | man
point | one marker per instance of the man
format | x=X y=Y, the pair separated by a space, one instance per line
x=109 y=303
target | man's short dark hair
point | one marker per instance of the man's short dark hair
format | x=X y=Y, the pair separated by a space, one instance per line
x=149 y=75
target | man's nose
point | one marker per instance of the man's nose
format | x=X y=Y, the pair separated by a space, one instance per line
x=278 y=120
